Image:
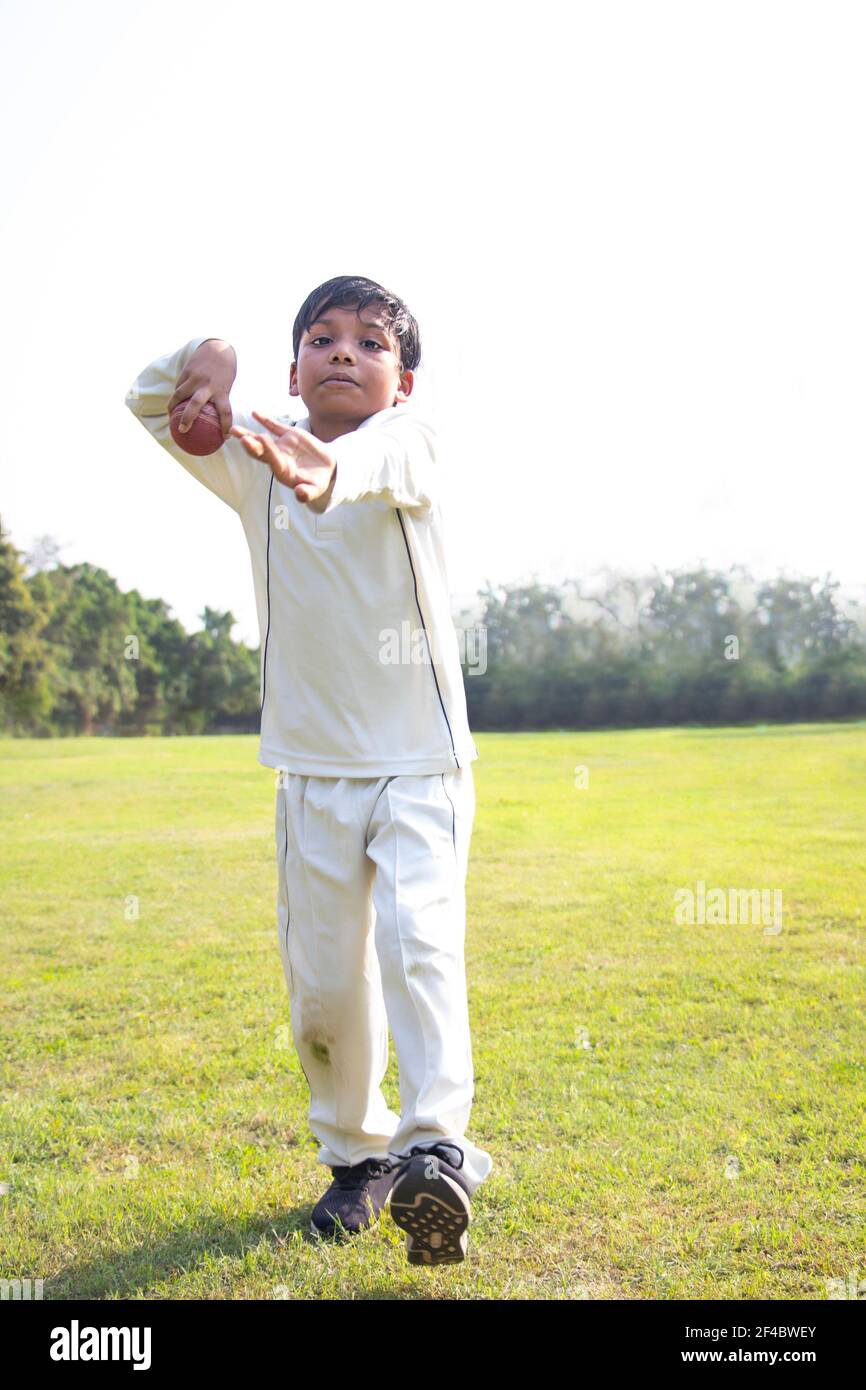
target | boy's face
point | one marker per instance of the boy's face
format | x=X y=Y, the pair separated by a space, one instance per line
x=342 y=343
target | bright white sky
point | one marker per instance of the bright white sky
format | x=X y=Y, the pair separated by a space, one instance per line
x=633 y=235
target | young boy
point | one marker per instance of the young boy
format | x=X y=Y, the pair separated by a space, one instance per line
x=375 y=797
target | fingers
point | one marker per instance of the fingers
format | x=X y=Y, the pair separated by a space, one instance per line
x=251 y=442
x=266 y=419
x=282 y=463
x=193 y=407
x=182 y=392
x=224 y=410
x=279 y=460
x=307 y=491
x=275 y=425
x=273 y=454
x=262 y=447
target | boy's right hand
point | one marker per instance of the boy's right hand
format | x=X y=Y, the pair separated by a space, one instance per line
x=208 y=376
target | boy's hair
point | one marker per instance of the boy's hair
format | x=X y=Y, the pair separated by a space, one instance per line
x=356 y=292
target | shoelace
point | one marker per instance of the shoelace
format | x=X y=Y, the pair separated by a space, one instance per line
x=361 y=1173
x=442 y=1150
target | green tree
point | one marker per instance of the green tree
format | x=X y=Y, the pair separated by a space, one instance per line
x=87 y=626
x=25 y=666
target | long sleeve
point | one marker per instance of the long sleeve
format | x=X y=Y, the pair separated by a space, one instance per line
x=394 y=460
x=230 y=472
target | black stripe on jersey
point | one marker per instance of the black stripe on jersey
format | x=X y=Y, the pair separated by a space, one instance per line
x=427 y=639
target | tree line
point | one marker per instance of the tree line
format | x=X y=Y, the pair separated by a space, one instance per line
x=696 y=646
x=79 y=656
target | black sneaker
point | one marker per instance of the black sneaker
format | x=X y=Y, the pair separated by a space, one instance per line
x=354 y=1199
x=430 y=1202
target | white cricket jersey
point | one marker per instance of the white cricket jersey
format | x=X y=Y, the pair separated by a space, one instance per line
x=360 y=664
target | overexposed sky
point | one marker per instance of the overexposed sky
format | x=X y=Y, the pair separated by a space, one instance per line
x=632 y=235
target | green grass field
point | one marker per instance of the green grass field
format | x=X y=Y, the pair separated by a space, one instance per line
x=673 y=1110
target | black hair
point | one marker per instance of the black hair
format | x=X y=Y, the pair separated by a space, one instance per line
x=356 y=291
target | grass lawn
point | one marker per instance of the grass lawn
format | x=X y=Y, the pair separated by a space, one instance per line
x=674 y=1110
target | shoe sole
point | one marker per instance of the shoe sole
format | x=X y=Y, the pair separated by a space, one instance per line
x=434 y=1212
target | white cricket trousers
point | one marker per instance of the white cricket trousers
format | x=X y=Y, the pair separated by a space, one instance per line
x=371 y=918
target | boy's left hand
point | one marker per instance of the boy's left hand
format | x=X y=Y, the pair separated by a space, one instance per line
x=296 y=458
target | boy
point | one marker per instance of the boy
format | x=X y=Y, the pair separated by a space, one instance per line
x=375 y=797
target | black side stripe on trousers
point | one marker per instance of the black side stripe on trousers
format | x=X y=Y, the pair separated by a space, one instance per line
x=426 y=637
x=268 y=593
x=285 y=871
x=453 y=817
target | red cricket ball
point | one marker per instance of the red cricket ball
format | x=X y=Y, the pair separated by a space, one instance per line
x=204 y=435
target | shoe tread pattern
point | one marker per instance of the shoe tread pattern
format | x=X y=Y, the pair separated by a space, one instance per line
x=434 y=1213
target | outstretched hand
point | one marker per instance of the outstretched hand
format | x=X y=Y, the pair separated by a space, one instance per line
x=295 y=457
